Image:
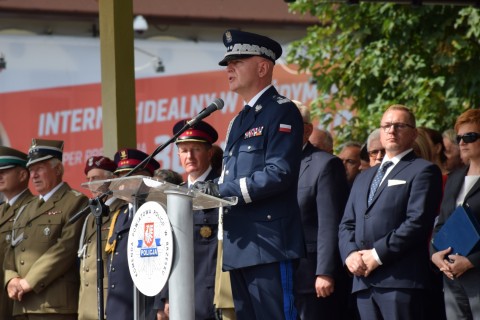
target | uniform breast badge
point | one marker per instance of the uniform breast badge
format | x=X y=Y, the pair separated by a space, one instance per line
x=46 y=231
x=206 y=232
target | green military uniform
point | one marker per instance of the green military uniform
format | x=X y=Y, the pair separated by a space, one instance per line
x=88 y=263
x=43 y=252
x=6 y=222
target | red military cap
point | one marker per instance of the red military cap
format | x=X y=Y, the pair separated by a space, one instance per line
x=100 y=162
x=127 y=159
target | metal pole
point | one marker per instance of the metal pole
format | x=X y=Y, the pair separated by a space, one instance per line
x=180 y=283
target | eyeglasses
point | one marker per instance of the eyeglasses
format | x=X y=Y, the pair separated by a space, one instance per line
x=374 y=153
x=396 y=126
x=468 y=137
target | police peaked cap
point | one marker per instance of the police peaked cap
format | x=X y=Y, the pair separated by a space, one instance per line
x=241 y=44
x=200 y=132
x=127 y=159
x=42 y=150
x=10 y=158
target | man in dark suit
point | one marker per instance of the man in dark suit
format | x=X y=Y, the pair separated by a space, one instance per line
x=14 y=186
x=40 y=266
x=263 y=236
x=320 y=281
x=387 y=224
x=120 y=301
x=195 y=152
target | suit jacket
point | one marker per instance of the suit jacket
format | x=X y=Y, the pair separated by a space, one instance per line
x=46 y=257
x=261 y=164
x=397 y=224
x=6 y=223
x=322 y=195
x=449 y=203
x=88 y=264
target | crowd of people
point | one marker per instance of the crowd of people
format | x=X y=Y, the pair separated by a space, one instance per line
x=313 y=235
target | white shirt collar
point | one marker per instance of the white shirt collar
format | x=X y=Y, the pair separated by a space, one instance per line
x=51 y=192
x=252 y=102
x=201 y=178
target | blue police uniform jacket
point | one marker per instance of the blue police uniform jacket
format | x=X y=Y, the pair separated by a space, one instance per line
x=205 y=240
x=261 y=167
x=120 y=284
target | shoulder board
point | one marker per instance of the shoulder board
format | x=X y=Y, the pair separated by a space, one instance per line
x=76 y=193
x=280 y=99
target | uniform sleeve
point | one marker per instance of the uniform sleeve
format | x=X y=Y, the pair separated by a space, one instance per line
x=280 y=158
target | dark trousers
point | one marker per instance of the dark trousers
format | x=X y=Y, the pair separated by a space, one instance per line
x=391 y=304
x=264 y=291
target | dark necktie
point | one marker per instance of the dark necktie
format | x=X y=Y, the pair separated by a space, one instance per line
x=245 y=112
x=40 y=202
x=377 y=180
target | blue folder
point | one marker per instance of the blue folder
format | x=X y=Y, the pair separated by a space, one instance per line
x=461 y=231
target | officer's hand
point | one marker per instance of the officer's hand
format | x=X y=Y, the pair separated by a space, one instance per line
x=207 y=187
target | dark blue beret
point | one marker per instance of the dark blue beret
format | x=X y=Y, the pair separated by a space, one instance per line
x=241 y=44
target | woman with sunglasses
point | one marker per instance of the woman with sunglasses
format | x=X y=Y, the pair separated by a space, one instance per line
x=462 y=273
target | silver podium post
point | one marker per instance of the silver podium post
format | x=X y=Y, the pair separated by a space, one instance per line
x=181 y=283
x=180 y=202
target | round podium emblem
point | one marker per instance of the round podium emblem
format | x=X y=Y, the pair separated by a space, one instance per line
x=150 y=248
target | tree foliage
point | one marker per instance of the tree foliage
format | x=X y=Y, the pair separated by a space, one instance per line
x=366 y=57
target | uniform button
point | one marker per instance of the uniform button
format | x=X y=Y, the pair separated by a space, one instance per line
x=88 y=256
x=22 y=262
x=25 y=237
x=112 y=286
x=230 y=153
x=269 y=217
x=42 y=285
x=249 y=147
x=89 y=240
x=225 y=211
x=227 y=172
x=86 y=284
x=120 y=237
x=23 y=249
x=113 y=269
x=116 y=253
x=87 y=269
x=29 y=225
x=205 y=220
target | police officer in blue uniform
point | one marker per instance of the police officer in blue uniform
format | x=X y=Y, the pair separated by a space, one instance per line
x=263 y=235
x=195 y=152
x=120 y=284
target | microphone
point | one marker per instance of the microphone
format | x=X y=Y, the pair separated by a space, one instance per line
x=217 y=104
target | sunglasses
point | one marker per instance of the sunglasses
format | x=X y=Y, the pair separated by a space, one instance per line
x=468 y=137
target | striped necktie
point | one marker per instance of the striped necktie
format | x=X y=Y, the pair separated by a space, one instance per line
x=377 y=180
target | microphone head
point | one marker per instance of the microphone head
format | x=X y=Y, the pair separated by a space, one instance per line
x=218 y=103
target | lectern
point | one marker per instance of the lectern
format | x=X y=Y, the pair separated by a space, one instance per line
x=179 y=203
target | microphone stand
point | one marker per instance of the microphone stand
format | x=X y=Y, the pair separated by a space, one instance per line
x=99 y=209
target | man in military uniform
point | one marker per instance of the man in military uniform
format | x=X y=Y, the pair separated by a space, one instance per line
x=14 y=185
x=96 y=168
x=40 y=266
x=120 y=284
x=195 y=152
x=263 y=236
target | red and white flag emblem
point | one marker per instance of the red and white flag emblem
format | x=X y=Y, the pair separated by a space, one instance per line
x=285 y=127
x=148 y=233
